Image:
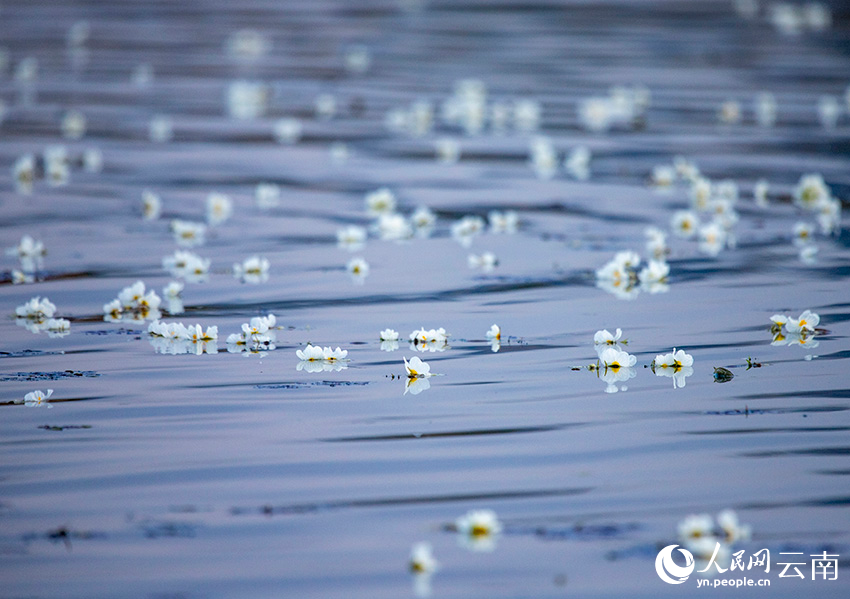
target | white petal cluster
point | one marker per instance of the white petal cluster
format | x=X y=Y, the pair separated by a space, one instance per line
x=432 y=340
x=188 y=233
x=252 y=270
x=36 y=316
x=176 y=338
x=259 y=334
x=30 y=253
x=478 y=530
x=800 y=331
x=677 y=365
x=134 y=304
x=322 y=359
x=187 y=265
x=702 y=537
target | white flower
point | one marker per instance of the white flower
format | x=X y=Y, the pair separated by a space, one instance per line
x=73 y=124
x=36 y=309
x=700 y=193
x=653 y=277
x=339 y=152
x=466 y=228
x=253 y=270
x=678 y=365
x=160 y=129
x=37 y=398
x=729 y=113
x=247 y=99
x=325 y=107
x=151 y=205
x=29 y=251
x=57 y=327
x=311 y=353
x=726 y=190
x=358 y=268
x=712 y=238
x=380 y=201
x=760 y=191
x=247 y=45
x=494 y=334
x=656 y=243
x=543 y=157
x=808 y=321
x=448 y=150
x=765 y=106
x=416 y=368
x=828 y=111
x=811 y=190
x=686 y=170
x=429 y=340
x=803 y=233
x=604 y=338
x=733 y=529
x=503 y=222
x=422 y=559
x=577 y=163
x=389 y=335
x=219 y=208
x=616 y=359
x=486 y=262
x=20 y=277
x=173 y=289
x=93 y=160
x=188 y=233
x=829 y=215
x=23 y=172
x=684 y=223
x=596 y=114
x=393 y=226
x=351 y=238
x=696 y=526
x=423 y=220
x=358 y=59
x=187 y=265
x=334 y=355
x=267 y=195
x=527 y=115
x=663 y=176
x=478 y=529
x=288 y=131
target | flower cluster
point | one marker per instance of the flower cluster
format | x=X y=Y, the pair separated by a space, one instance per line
x=133 y=304
x=36 y=316
x=30 y=253
x=432 y=340
x=176 y=338
x=699 y=534
x=801 y=331
x=624 y=106
x=257 y=335
x=317 y=359
x=187 y=265
x=813 y=195
x=620 y=277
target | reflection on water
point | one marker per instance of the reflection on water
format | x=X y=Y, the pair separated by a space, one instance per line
x=300 y=176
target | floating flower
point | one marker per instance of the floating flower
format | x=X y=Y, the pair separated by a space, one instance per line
x=37 y=398
x=448 y=150
x=187 y=265
x=663 y=176
x=678 y=365
x=358 y=268
x=422 y=559
x=803 y=233
x=219 y=208
x=760 y=191
x=494 y=336
x=173 y=290
x=653 y=277
x=393 y=226
x=151 y=205
x=267 y=195
x=311 y=353
x=380 y=201
x=829 y=215
x=23 y=173
x=160 y=129
x=503 y=222
x=73 y=124
x=37 y=309
x=684 y=223
x=527 y=115
x=543 y=157
x=339 y=152
x=57 y=327
x=416 y=368
x=811 y=191
x=466 y=228
x=618 y=275
x=318 y=359
x=485 y=262
x=656 y=243
x=357 y=59
x=765 y=107
x=20 y=277
x=57 y=168
x=712 y=238
x=807 y=322
x=188 y=233
x=700 y=193
x=247 y=44
x=478 y=529
x=325 y=107
x=577 y=163
x=92 y=160
x=734 y=531
x=247 y=99
x=615 y=359
x=729 y=113
x=389 y=340
x=423 y=221
x=288 y=131
x=429 y=340
x=30 y=252
x=351 y=238
x=696 y=526
x=828 y=111
x=253 y=270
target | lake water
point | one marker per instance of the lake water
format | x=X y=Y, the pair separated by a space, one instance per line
x=157 y=469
